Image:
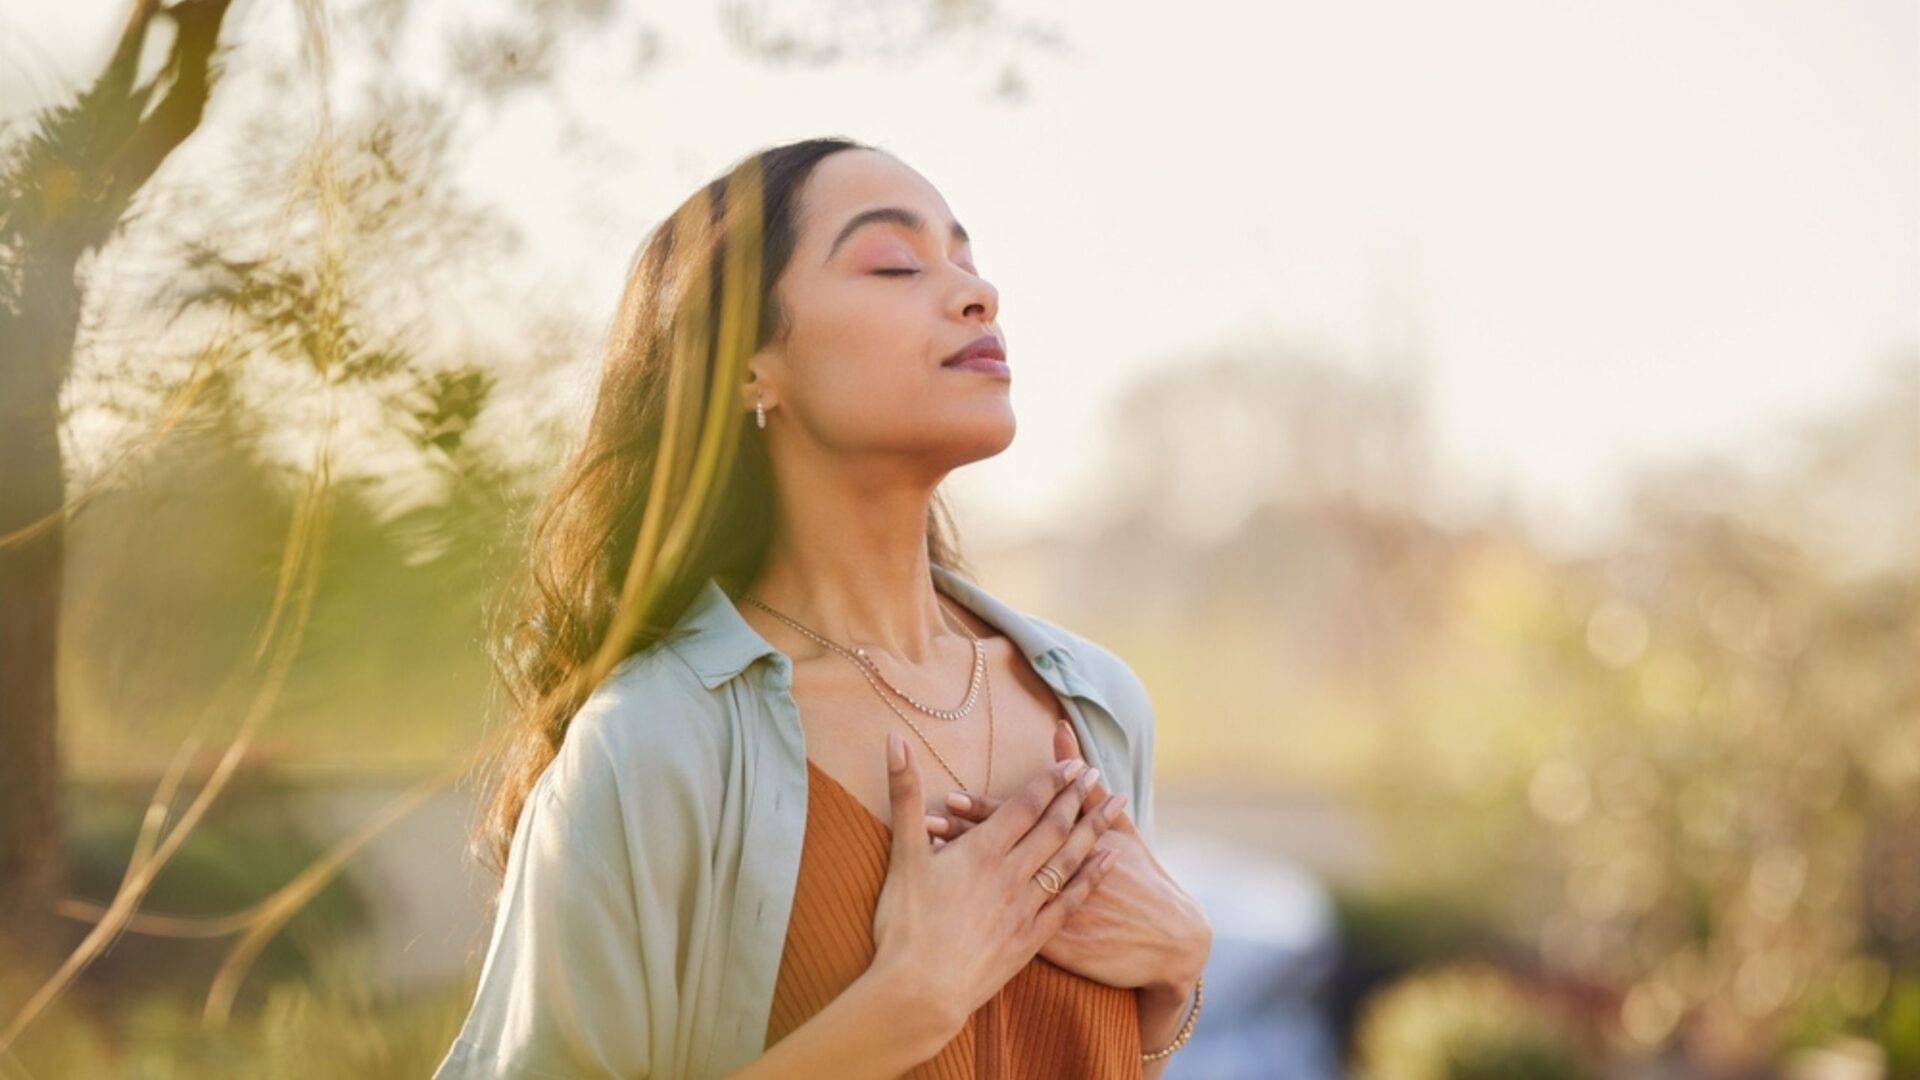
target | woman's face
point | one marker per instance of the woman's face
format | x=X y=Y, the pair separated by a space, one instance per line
x=874 y=304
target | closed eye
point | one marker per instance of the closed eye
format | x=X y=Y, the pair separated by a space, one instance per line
x=896 y=272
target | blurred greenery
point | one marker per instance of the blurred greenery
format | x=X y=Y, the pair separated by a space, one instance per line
x=251 y=842
x=1466 y=1022
x=330 y=1023
x=391 y=673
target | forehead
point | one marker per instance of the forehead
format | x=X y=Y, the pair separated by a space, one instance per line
x=844 y=184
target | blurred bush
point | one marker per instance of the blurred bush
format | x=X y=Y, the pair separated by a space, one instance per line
x=1466 y=1021
x=331 y=1023
x=249 y=844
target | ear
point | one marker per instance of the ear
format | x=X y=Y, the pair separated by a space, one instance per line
x=762 y=373
x=753 y=390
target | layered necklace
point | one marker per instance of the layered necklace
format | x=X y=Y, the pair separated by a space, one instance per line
x=870 y=670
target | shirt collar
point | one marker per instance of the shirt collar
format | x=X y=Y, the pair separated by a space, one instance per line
x=718 y=643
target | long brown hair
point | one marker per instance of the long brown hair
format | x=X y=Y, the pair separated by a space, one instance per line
x=669 y=485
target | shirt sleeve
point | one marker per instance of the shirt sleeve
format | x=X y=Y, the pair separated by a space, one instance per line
x=1134 y=707
x=581 y=972
x=1141 y=806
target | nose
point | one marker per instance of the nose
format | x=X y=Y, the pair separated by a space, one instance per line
x=977 y=298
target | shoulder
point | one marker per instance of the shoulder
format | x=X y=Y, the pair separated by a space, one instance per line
x=649 y=700
x=1111 y=677
x=1120 y=689
x=648 y=735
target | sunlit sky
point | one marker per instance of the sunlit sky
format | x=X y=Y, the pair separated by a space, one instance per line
x=1625 y=231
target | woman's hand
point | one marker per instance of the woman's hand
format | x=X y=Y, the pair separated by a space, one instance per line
x=955 y=923
x=1139 y=928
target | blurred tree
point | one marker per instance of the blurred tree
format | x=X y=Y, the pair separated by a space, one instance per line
x=1692 y=763
x=63 y=192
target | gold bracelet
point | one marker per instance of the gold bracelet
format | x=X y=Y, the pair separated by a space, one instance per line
x=1186 y=1029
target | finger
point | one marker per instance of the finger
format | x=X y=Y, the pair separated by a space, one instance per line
x=1067 y=745
x=971 y=807
x=967 y=809
x=1052 y=914
x=1019 y=813
x=1064 y=744
x=1054 y=829
x=908 y=808
x=1080 y=844
x=947 y=826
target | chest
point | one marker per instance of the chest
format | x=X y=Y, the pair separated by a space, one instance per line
x=846 y=720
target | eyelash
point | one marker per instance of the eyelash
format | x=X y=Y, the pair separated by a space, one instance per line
x=896 y=273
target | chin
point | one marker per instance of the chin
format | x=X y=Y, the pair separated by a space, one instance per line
x=984 y=440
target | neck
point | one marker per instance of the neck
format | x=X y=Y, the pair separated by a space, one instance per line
x=850 y=563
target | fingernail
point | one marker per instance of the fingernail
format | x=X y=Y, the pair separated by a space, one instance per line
x=1112 y=809
x=936 y=823
x=1107 y=857
x=937 y=841
x=1087 y=779
x=896 y=751
x=1074 y=765
x=958 y=801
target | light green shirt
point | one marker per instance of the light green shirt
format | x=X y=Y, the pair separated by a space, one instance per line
x=647 y=889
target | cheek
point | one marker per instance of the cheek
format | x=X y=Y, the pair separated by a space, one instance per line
x=867 y=344
x=857 y=379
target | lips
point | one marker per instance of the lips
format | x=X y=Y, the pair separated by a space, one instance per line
x=986 y=345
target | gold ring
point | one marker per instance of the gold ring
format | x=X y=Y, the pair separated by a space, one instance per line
x=1054 y=882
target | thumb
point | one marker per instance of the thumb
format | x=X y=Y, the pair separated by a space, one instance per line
x=909 y=806
x=1064 y=744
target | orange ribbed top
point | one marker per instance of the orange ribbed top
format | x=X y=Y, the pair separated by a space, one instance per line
x=1045 y=1022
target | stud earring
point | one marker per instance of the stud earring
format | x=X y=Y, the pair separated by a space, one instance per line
x=760 y=412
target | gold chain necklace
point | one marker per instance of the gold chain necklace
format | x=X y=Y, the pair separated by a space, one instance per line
x=860 y=657
x=973 y=689
x=980 y=674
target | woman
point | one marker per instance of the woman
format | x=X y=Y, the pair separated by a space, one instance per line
x=722 y=816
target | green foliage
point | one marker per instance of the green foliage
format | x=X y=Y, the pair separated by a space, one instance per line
x=1407 y=928
x=330 y=1024
x=250 y=844
x=1465 y=1022
x=1867 y=1003
x=1896 y=1026
x=1684 y=769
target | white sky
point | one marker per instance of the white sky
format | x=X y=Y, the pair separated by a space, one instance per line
x=1626 y=229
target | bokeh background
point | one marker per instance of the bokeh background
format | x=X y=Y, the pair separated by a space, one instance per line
x=1492 y=430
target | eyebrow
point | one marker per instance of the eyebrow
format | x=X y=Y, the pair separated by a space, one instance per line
x=897 y=215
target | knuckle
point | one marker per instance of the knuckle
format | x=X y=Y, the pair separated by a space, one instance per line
x=1034 y=802
x=1058 y=826
x=1077 y=841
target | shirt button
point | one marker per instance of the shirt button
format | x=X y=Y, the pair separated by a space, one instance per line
x=1045 y=660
